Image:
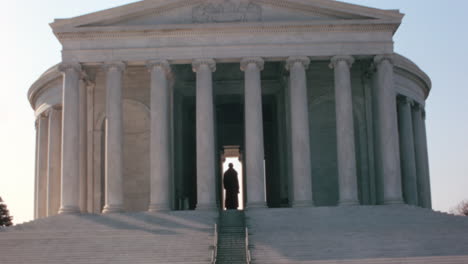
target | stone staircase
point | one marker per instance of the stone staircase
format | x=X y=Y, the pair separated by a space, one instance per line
x=137 y=238
x=320 y=235
x=357 y=235
x=231 y=238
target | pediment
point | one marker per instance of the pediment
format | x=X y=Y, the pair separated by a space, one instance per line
x=149 y=13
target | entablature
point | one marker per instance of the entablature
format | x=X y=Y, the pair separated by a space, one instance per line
x=223 y=29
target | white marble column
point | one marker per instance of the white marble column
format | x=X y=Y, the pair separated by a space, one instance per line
x=425 y=152
x=408 y=163
x=347 y=177
x=36 y=172
x=83 y=146
x=388 y=130
x=114 y=138
x=254 y=150
x=300 y=137
x=41 y=194
x=70 y=202
x=54 y=158
x=206 y=179
x=90 y=141
x=160 y=139
x=420 y=149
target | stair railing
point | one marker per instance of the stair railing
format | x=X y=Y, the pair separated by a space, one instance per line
x=214 y=252
x=247 y=250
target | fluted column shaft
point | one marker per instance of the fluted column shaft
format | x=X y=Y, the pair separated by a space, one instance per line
x=420 y=149
x=254 y=132
x=114 y=138
x=70 y=202
x=41 y=174
x=388 y=130
x=347 y=176
x=83 y=146
x=408 y=163
x=159 y=142
x=36 y=171
x=300 y=138
x=425 y=152
x=206 y=181
x=54 y=155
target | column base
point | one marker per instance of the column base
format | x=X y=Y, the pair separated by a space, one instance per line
x=297 y=204
x=348 y=203
x=112 y=209
x=154 y=208
x=69 y=210
x=206 y=207
x=256 y=205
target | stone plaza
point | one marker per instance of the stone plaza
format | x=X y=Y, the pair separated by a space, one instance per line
x=327 y=122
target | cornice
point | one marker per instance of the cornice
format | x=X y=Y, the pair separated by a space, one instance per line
x=225 y=29
x=155 y=7
x=317 y=10
x=52 y=74
x=346 y=8
x=407 y=65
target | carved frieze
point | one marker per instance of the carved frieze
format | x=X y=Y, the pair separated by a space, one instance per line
x=227 y=11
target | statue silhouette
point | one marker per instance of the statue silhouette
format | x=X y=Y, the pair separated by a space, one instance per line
x=231 y=185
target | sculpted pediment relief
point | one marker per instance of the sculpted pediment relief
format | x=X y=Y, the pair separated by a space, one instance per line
x=227 y=11
x=186 y=12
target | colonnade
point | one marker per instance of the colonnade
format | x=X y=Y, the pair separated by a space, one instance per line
x=48 y=162
x=413 y=149
x=301 y=188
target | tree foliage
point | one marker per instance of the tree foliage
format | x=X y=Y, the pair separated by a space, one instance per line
x=5 y=218
x=462 y=208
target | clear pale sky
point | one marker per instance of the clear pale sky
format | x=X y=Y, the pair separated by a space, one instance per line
x=433 y=34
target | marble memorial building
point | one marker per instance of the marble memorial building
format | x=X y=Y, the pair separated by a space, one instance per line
x=148 y=96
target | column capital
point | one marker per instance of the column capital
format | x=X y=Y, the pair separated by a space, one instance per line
x=66 y=67
x=255 y=60
x=114 y=65
x=401 y=99
x=417 y=106
x=384 y=57
x=304 y=60
x=163 y=64
x=199 y=62
x=43 y=115
x=346 y=58
x=86 y=79
x=48 y=111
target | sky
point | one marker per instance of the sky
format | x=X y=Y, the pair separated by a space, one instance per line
x=433 y=35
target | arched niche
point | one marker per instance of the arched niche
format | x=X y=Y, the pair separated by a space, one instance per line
x=136 y=157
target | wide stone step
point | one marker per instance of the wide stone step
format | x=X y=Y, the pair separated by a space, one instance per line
x=343 y=234
x=173 y=237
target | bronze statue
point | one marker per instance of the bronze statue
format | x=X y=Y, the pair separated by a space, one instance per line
x=231 y=185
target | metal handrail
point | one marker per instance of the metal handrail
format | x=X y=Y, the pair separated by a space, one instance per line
x=214 y=252
x=247 y=251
